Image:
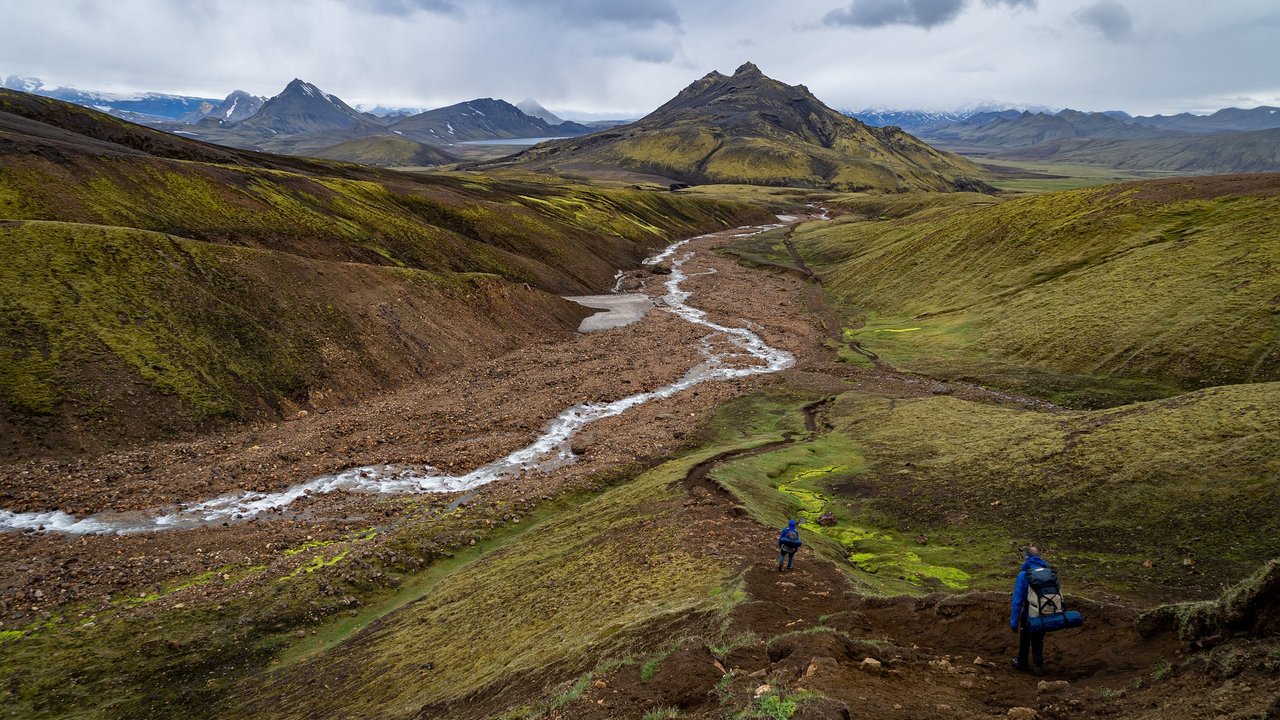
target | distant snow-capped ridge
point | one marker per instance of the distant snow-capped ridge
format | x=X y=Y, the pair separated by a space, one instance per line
x=162 y=106
x=913 y=119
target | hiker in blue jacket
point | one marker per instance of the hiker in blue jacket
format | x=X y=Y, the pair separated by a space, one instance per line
x=788 y=544
x=1028 y=640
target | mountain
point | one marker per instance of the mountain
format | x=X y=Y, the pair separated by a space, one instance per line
x=381 y=111
x=748 y=128
x=1028 y=128
x=1238 y=152
x=532 y=108
x=1224 y=120
x=482 y=119
x=916 y=121
x=238 y=106
x=305 y=108
x=386 y=151
x=159 y=105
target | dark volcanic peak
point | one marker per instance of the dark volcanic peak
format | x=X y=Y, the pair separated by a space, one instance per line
x=750 y=128
x=480 y=119
x=304 y=108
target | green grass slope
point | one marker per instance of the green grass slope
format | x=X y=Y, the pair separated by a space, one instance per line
x=129 y=331
x=937 y=493
x=156 y=283
x=751 y=129
x=386 y=151
x=1167 y=282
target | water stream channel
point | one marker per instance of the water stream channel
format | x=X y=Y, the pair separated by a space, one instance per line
x=730 y=352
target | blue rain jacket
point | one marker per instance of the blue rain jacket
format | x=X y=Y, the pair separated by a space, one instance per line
x=1020 y=590
x=790 y=537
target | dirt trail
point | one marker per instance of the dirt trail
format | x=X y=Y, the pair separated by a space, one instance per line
x=809 y=629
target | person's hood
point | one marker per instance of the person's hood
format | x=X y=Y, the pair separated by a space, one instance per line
x=1034 y=561
x=791 y=524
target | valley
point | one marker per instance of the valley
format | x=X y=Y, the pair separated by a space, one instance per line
x=296 y=437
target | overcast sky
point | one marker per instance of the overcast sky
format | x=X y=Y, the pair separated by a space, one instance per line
x=625 y=57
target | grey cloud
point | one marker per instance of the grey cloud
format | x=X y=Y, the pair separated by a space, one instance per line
x=403 y=8
x=878 y=13
x=632 y=14
x=1109 y=18
x=921 y=13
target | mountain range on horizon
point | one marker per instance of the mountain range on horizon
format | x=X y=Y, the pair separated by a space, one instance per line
x=303 y=119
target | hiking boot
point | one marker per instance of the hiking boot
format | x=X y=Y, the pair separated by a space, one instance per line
x=1017 y=665
x=779 y=567
x=1037 y=670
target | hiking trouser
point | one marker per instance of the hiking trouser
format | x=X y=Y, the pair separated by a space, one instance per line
x=1033 y=642
x=787 y=556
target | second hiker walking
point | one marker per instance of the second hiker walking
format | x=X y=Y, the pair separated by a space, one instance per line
x=788 y=543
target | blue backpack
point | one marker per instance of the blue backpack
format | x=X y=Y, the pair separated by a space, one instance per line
x=1045 y=611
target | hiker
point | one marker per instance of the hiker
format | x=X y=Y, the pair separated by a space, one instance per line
x=788 y=544
x=1029 y=640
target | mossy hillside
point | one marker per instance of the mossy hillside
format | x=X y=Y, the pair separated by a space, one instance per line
x=91 y=311
x=938 y=493
x=1120 y=498
x=386 y=151
x=810 y=478
x=1103 y=282
x=751 y=129
x=431 y=222
x=594 y=583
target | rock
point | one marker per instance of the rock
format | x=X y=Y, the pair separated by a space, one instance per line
x=1046 y=687
x=966 y=684
x=827 y=520
x=1022 y=713
x=785 y=584
x=942 y=708
x=978 y=660
x=763 y=689
x=821 y=664
x=660 y=269
x=600 y=684
x=870 y=664
x=581 y=443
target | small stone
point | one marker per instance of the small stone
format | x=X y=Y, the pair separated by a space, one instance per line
x=1022 y=713
x=978 y=660
x=600 y=684
x=827 y=520
x=966 y=684
x=943 y=708
x=820 y=665
x=870 y=664
x=1046 y=687
x=763 y=689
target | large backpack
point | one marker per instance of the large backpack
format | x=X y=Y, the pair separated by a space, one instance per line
x=1045 y=610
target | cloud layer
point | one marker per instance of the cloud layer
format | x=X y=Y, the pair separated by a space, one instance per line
x=624 y=57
